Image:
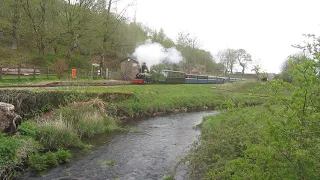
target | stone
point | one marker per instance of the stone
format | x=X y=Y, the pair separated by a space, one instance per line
x=9 y=120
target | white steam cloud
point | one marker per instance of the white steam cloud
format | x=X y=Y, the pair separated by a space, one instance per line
x=154 y=53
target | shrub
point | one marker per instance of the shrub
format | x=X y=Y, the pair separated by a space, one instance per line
x=38 y=162
x=42 y=162
x=51 y=158
x=63 y=156
x=28 y=128
x=8 y=152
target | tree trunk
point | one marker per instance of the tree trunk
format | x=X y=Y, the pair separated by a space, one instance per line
x=231 y=69
x=15 y=23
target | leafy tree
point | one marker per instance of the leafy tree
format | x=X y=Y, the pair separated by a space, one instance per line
x=243 y=58
x=228 y=58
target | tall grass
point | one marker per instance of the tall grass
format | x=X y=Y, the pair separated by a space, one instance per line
x=57 y=133
x=67 y=126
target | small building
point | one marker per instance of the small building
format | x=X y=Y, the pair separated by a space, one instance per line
x=129 y=67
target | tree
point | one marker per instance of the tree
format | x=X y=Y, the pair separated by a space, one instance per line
x=160 y=37
x=286 y=68
x=256 y=68
x=243 y=58
x=36 y=13
x=228 y=58
x=188 y=46
x=61 y=66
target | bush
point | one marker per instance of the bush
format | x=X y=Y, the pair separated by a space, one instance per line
x=51 y=158
x=38 y=162
x=28 y=128
x=63 y=156
x=9 y=148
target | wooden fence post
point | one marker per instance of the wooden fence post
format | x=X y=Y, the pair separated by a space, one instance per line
x=48 y=72
x=0 y=73
x=19 y=71
x=34 y=72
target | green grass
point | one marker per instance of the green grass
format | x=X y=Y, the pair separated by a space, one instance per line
x=149 y=99
x=27 y=80
x=13 y=80
x=225 y=137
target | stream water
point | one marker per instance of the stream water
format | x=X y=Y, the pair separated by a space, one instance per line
x=149 y=151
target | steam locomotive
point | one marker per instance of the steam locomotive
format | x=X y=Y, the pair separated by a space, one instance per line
x=179 y=77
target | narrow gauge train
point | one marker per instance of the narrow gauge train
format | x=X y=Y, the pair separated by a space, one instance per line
x=178 y=77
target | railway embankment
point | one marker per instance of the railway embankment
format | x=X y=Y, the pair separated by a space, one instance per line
x=56 y=119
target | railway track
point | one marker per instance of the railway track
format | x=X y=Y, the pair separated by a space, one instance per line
x=67 y=84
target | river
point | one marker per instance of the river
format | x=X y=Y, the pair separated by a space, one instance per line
x=149 y=151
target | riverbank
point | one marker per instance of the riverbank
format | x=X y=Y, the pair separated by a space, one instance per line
x=278 y=140
x=88 y=111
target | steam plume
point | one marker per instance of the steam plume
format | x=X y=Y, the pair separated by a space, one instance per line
x=154 y=53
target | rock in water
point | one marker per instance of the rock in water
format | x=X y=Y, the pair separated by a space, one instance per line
x=9 y=120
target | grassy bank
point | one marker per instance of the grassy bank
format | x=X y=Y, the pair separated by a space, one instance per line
x=149 y=100
x=63 y=117
x=225 y=137
x=279 y=140
x=41 y=142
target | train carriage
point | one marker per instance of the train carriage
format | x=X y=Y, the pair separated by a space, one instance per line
x=212 y=80
x=169 y=77
x=191 y=79
x=202 y=79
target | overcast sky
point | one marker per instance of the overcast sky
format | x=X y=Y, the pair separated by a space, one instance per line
x=265 y=29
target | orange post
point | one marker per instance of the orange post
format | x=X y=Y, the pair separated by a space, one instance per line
x=74 y=73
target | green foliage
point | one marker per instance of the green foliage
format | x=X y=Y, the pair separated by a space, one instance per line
x=49 y=159
x=63 y=156
x=168 y=177
x=277 y=141
x=9 y=148
x=38 y=162
x=13 y=151
x=28 y=128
